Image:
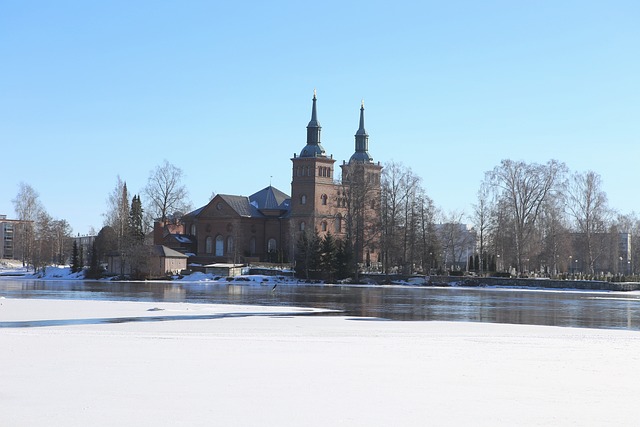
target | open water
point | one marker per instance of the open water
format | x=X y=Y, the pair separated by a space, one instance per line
x=607 y=310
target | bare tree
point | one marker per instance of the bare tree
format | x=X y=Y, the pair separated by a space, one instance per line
x=117 y=217
x=361 y=187
x=555 y=236
x=524 y=187
x=587 y=204
x=406 y=213
x=165 y=192
x=481 y=220
x=456 y=240
x=27 y=206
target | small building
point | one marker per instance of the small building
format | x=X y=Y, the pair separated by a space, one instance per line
x=153 y=262
x=221 y=269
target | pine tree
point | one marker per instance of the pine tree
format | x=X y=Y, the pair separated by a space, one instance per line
x=75 y=263
x=94 y=267
x=136 y=222
x=328 y=253
x=301 y=256
x=343 y=259
x=307 y=255
x=81 y=256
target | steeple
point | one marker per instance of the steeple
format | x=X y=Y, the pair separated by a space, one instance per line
x=313 y=147
x=362 y=142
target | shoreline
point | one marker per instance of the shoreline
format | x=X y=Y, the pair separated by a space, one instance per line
x=255 y=365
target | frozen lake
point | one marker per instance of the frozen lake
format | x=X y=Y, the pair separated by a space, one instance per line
x=609 y=310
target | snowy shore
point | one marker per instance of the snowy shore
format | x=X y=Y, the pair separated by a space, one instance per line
x=100 y=363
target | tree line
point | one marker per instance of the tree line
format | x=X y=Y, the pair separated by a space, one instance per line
x=527 y=219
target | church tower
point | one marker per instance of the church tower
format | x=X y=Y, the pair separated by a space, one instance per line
x=312 y=185
x=361 y=178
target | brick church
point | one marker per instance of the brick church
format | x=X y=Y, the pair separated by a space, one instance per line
x=265 y=226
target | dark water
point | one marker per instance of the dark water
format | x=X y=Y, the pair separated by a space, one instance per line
x=576 y=309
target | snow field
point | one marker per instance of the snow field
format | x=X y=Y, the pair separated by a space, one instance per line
x=277 y=368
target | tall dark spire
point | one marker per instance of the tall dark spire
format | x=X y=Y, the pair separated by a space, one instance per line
x=313 y=147
x=362 y=142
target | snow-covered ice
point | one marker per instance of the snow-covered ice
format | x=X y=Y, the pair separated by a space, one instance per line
x=249 y=366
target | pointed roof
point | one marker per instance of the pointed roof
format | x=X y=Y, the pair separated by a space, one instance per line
x=270 y=198
x=361 y=154
x=313 y=147
x=361 y=130
x=314 y=123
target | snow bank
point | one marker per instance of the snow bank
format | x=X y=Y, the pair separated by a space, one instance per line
x=202 y=365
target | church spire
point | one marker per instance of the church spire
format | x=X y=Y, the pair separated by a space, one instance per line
x=362 y=141
x=313 y=147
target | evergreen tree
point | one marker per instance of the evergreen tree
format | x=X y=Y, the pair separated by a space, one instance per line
x=81 y=256
x=307 y=255
x=328 y=256
x=136 y=221
x=75 y=262
x=343 y=259
x=94 y=266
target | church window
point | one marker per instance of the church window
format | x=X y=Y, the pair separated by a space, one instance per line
x=338 y=224
x=208 y=245
x=219 y=246
x=252 y=246
x=272 y=245
x=323 y=198
x=230 y=245
x=323 y=226
x=303 y=199
x=302 y=225
x=193 y=229
x=373 y=204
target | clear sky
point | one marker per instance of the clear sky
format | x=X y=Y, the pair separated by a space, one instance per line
x=93 y=90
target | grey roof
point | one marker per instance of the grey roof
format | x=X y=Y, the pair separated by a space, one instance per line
x=313 y=147
x=313 y=150
x=270 y=198
x=361 y=154
x=163 y=251
x=241 y=205
x=195 y=212
x=361 y=157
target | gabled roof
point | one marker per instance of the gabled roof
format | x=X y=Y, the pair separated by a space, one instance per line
x=267 y=199
x=163 y=251
x=195 y=212
x=240 y=204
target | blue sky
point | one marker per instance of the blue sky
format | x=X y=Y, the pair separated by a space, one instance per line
x=93 y=90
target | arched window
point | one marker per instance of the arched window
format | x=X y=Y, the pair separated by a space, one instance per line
x=252 y=246
x=323 y=226
x=338 y=223
x=373 y=204
x=272 y=245
x=193 y=229
x=208 y=245
x=230 y=245
x=219 y=246
x=302 y=225
x=323 y=198
x=303 y=199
